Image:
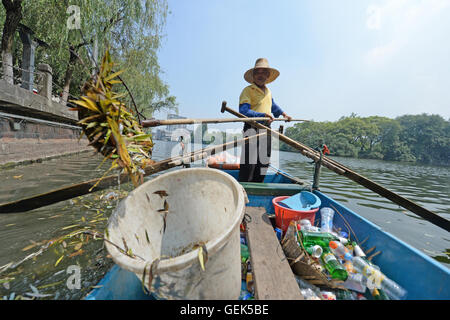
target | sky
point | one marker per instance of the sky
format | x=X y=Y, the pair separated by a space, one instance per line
x=385 y=58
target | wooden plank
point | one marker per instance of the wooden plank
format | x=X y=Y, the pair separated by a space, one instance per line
x=272 y=189
x=273 y=277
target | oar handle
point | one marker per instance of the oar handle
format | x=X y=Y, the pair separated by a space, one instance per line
x=155 y=122
x=150 y=123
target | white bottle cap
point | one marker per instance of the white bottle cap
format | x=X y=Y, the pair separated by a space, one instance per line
x=358 y=251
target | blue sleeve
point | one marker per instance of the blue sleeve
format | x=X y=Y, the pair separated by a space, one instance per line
x=246 y=111
x=276 y=110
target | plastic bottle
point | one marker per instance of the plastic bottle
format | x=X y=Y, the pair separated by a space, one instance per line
x=344 y=295
x=376 y=279
x=279 y=233
x=357 y=251
x=305 y=222
x=326 y=219
x=250 y=283
x=342 y=240
x=305 y=225
x=328 y=295
x=355 y=282
x=309 y=291
x=340 y=251
x=317 y=238
x=343 y=234
x=379 y=294
x=336 y=270
x=310 y=228
x=244 y=253
x=315 y=251
x=348 y=265
x=245 y=295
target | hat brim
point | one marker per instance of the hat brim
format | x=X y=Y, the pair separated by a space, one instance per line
x=274 y=73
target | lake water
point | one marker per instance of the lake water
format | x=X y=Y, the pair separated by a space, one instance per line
x=25 y=237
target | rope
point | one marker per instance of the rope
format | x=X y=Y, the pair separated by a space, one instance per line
x=349 y=228
x=21 y=69
x=18 y=80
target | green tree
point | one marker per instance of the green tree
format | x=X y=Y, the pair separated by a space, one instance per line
x=422 y=138
x=428 y=137
x=11 y=18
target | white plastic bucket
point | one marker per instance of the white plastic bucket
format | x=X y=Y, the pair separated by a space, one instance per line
x=205 y=205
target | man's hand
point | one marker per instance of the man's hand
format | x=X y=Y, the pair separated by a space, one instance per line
x=289 y=118
x=268 y=115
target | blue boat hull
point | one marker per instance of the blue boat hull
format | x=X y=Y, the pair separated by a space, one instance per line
x=422 y=277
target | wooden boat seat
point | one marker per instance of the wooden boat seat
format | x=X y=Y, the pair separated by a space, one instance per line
x=273 y=189
x=273 y=277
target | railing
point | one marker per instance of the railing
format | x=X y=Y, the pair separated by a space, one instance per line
x=37 y=84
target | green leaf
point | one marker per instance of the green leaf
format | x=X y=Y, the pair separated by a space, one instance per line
x=91 y=125
x=112 y=76
x=59 y=260
x=140 y=137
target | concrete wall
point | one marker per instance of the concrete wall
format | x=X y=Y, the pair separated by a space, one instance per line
x=16 y=100
x=36 y=142
x=35 y=127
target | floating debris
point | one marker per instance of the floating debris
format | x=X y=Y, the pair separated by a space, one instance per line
x=38 y=295
x=112 y=196
x=59 y=260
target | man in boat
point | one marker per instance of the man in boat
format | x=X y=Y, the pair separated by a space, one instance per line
x=256 y=101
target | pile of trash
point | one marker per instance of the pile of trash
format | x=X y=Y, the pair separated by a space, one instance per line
x=326 y=261
x=247 y=289
x=332 y=267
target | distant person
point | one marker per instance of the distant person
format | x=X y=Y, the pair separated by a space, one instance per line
x=183 y=152
x=256 y=101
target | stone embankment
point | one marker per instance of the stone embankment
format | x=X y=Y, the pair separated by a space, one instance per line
x=36 y=126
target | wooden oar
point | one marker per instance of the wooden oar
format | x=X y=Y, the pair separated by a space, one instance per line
x=155 y=123
x=344 y=171
x=83 y=188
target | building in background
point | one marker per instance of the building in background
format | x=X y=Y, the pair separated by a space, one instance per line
x=172 y=132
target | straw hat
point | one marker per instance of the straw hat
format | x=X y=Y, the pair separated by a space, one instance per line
x=262 y=63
